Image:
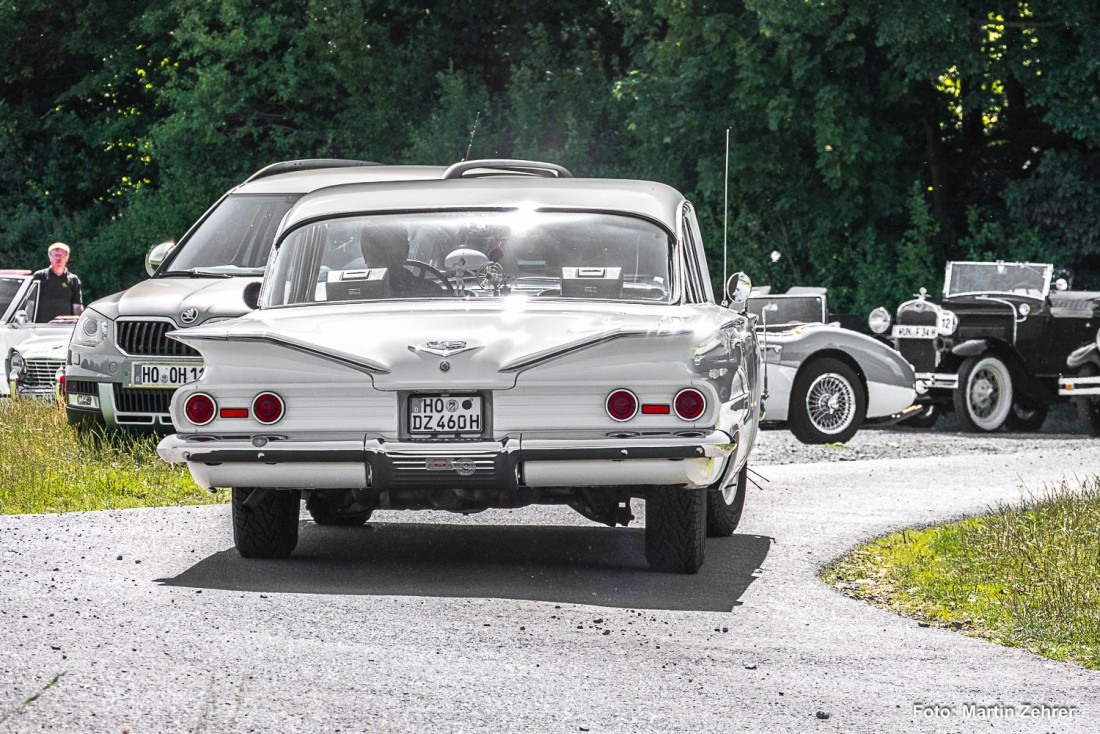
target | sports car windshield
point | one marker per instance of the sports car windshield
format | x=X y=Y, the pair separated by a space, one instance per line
x=234 y=239
x=786 y=310
x=1022 y=279
x=472 y=254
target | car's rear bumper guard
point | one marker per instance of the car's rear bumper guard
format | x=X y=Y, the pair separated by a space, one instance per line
x=936 y=381
x=1078 y=386
x=217 y=461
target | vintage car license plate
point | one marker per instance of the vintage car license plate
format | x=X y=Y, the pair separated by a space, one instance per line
x=909 y=331
x=163 y=374
x=451 y=414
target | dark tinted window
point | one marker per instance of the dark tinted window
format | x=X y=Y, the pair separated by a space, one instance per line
x=8 y=289
x=235 y=238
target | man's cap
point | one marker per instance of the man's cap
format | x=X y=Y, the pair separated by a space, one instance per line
x=58 y=246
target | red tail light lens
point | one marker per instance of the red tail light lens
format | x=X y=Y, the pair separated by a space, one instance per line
x=690 y=403
x=622 y=405
x=200 y=409
x=267 y=408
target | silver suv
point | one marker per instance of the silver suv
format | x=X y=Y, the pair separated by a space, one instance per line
x=121 y=369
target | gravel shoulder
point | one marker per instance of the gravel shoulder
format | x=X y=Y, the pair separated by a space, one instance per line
x=533 y=620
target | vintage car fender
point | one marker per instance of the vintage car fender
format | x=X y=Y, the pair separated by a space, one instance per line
x=1084 y=355
x=970 y=347
x=886 y=376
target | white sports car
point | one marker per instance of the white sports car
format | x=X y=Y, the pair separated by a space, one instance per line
x=825 y=381
x=506 y=336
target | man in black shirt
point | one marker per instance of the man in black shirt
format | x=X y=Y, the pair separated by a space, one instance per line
x=58 y=289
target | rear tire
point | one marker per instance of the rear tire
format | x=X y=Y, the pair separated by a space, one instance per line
x=724 y=510
x=1088 y=406
x=675 y=529
x=267 y=527
x=336 y=508
x=827 y=402
x=1026 y=417
x=983 y=399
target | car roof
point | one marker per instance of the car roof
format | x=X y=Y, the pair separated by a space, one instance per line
x=14 y=272
x=309 y=179
x=648 y=199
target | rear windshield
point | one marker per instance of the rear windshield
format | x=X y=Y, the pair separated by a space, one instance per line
x=235 y=239
x=473 y=254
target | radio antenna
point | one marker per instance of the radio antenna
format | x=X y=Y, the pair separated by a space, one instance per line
x=473 y=132
x=726 y=210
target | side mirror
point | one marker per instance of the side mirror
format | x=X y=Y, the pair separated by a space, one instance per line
x=251 y=295
x=156 y=256
x=20 y=318
x=738 y=288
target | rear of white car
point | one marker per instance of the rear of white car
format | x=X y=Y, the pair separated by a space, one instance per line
x=473 y=344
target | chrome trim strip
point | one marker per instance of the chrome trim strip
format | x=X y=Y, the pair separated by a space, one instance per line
x=362 y=365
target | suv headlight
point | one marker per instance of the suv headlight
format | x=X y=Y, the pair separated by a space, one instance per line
x=879 y=320
x=90 y=329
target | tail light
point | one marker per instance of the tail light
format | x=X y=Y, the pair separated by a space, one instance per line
x=622 y=405
x=200 y=409
x=267 y=408
x=689 y=403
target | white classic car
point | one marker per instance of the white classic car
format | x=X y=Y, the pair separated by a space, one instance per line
x=482 y=341
x=825 y=381
x=30 y=353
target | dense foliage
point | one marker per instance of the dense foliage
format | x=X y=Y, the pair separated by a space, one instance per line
x=869 y=142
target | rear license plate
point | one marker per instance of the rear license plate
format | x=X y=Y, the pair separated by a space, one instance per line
x=908 y=331
x=163 y=374
x=450 y=414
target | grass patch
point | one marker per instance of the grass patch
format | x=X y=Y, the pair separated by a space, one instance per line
x=48 y=466
x=1026 y=575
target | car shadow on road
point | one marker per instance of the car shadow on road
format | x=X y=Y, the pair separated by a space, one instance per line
x=578 y=565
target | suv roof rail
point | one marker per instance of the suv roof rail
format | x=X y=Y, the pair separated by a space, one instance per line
x=307 y=164
x=506 y=166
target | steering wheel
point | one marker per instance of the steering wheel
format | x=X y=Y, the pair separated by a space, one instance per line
x=423 y=270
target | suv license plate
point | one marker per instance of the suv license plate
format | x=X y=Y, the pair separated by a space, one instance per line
x=451 y=414
x=163 y=374
x=907 y=331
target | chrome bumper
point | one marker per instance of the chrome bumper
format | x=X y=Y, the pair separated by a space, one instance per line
x=526 y=460
x=936 y=381
x=1078 y=386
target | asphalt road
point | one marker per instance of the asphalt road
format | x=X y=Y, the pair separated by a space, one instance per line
x=528 y=621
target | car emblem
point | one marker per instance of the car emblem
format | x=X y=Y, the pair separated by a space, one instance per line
x=189 y=315
x=444 y=348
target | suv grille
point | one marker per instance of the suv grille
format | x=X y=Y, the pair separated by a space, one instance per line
x=142 y=400
x=148 y=337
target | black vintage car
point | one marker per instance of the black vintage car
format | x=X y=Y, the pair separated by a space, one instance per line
x=1081 y=384
x=994 y=347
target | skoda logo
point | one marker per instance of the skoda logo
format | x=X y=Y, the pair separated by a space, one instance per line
x=189 y=315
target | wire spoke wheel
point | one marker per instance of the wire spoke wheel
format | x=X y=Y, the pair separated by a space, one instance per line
x=984 y=397
x=828 y=402
x=831 y=403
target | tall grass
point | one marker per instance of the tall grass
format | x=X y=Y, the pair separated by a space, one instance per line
x=1025 y=575
x=48 y=466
